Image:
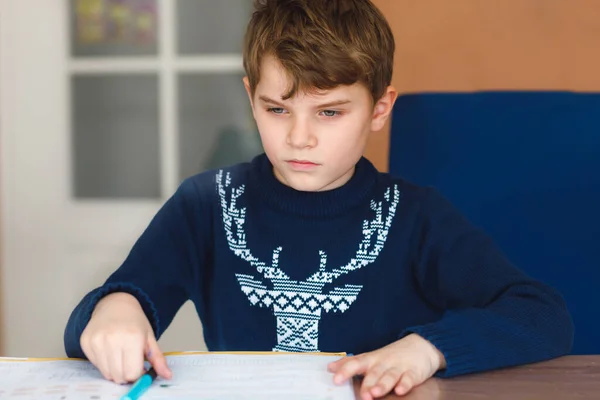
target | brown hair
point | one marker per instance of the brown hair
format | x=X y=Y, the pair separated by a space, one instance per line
x=321 y=44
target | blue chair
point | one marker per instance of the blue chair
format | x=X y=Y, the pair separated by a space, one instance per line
x=524 y=166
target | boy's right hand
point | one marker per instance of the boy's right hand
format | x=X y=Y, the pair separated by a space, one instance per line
x=118 y=337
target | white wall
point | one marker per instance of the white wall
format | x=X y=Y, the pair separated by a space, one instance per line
x=53 y=249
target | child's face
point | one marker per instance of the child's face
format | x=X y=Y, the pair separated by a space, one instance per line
x=314 y=140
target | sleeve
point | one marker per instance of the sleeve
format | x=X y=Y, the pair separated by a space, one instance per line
x=161 y=270
x=495 y=316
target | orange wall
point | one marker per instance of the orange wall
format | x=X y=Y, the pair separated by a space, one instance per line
x=469 y=45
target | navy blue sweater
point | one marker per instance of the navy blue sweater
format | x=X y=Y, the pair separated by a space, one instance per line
x=347 y=270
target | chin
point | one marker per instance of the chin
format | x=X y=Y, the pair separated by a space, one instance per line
x=305 y=185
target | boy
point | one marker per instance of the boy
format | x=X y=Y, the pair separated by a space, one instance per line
x=308 y=247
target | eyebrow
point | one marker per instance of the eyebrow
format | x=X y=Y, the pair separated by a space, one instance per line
x=324 y=105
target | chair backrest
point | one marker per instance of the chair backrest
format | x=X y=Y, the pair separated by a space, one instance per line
x=524 y=166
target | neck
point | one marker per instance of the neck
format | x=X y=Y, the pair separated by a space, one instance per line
x=356 y=187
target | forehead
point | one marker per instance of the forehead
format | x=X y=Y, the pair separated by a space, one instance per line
x=272 y=74
x=274 y=82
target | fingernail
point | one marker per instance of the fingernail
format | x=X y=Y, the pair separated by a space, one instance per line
x=403 y=389
x=149 y=354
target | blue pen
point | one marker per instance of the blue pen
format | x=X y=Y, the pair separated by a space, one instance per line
x=141 y=385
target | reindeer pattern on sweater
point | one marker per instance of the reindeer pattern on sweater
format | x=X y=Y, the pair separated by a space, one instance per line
x=298 y=305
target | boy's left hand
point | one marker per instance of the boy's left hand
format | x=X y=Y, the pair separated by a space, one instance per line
x=399 y=366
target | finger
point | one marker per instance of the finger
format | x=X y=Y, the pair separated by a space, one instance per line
x=353 y=366
x=115 y=364
x=157 y=359
x=372 y=376
x=86 y=347
x=93 y=359
x=133 y=362
x=388 y=380
x=334 y=366
x=99 y=357
x=407 y=382
x=88 y=351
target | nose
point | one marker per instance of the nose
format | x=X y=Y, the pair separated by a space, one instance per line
x=300 y=135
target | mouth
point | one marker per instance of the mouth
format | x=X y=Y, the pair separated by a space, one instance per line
x=306 y=162
x=301 y=165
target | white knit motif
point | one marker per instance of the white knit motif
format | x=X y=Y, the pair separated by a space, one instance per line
x=297 y=305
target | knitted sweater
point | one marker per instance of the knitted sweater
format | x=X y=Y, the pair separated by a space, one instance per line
x=270 y=268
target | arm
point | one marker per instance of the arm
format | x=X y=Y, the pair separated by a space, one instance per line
x=496 y=316
x=160 y=271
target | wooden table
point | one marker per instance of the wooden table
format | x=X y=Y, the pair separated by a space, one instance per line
x=565 y=378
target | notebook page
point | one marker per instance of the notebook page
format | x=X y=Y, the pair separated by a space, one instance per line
x=206 y=376
x=55 y=380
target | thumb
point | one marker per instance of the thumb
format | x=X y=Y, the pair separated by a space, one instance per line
x=157 y=358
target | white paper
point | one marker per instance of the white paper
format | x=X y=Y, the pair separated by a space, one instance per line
x=205 y=376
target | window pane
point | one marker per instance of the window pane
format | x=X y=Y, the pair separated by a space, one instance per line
x=216 y=127
x=115 y=136
x=113 y=27
x=211 y=26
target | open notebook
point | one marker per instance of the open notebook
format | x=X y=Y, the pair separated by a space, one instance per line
x=212 y=376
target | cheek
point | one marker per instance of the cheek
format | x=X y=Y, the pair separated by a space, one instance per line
x=271 y=132
x=346 y=133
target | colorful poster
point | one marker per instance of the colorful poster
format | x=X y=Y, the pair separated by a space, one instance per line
x=129 y=22
x=89 y=24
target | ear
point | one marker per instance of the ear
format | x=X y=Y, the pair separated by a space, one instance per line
x=383 y=108
x=248 y=91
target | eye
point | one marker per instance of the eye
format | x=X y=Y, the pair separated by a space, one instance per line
x=330 y=113
x=276 y=110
